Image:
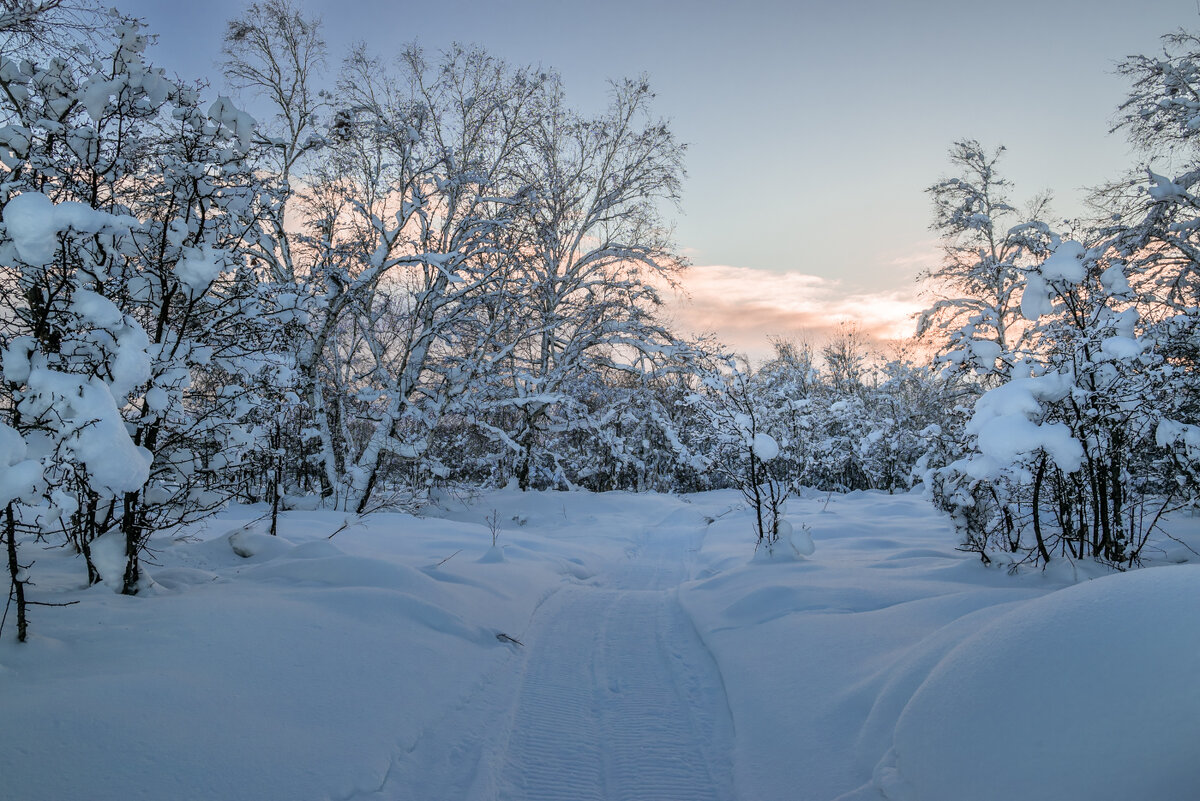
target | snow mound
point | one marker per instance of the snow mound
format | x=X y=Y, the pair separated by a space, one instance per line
x=1087 y=693
x=248 y=544
x=492 y=556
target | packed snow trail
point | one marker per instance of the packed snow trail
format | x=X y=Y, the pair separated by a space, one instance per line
x=613 y=697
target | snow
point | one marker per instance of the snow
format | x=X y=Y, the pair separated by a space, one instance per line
x=765 y=447
x=240 y=124
x=1169 y=431
x=984 y=352
x=1007 y=424
x=1163 y=189
x=96 y=310
x=16 y=359
x=1120 y=347
x=1115 y=281
x=96 y=94
x=198 y=268
x=1101 y=686
x=98 y=437
x=798 y=539
x=19 y=477
x=29 y=219
x=1035 y=299
x=609 y=646
x=1007 y=439
x=1065 y=263
x=33 y=222
x=12 y=446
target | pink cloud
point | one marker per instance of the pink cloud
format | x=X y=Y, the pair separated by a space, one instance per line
x=745 y=307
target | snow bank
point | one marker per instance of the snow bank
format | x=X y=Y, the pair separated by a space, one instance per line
x=1089 y=693
x=252 y=666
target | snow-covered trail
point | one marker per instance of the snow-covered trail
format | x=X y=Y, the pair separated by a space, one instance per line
x=612 y=696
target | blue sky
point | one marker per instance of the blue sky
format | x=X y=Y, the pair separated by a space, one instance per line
x=813 y=127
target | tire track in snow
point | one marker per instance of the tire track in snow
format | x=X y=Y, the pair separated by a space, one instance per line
x=620 y=700
x=613 y=698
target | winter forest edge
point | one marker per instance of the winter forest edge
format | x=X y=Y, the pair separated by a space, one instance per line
x=427 y=273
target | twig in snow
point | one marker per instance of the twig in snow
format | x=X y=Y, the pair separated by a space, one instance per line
x=710 y=519
x=347 y=523
x=502 y=637
x=1181 y=542
x=448 y=558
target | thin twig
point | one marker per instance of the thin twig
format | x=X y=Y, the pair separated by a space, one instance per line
x=448 y=558
x=345 y=525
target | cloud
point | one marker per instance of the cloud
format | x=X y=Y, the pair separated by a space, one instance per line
x=745 y=307
x=924 y=254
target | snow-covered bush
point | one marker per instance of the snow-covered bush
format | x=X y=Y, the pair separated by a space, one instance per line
x=743 y=445
x=1093 y=437
x=125 y=199
x=1070 y=459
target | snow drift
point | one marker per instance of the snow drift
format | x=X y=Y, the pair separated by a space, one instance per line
x=1090 y=693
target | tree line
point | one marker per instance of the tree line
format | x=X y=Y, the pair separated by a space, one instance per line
x=432 y=270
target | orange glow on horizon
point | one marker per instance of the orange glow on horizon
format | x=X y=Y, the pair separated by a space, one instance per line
x=746 y=307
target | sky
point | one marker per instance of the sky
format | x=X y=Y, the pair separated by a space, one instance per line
x=813 y=128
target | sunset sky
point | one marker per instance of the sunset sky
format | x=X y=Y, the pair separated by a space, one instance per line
x=813 y=127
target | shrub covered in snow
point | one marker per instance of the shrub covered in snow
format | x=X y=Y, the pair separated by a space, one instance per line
x=124 y=205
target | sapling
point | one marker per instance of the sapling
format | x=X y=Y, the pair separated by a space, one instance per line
x=493 y=524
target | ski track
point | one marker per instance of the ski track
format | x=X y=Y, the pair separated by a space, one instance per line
x=618 y=700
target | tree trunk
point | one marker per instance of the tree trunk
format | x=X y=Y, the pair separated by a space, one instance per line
x=14 y=571
x=85 y=539
x=133 y=545
x=1037 y=512
x=524 y=466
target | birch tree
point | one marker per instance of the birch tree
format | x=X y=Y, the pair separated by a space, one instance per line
x=595 y=253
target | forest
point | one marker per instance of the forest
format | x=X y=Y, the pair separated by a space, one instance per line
x=431 y=271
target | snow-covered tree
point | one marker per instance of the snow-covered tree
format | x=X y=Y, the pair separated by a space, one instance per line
x=743 y=447
x=975 y=318
x=593 y=253
x=1064 y=458
x=410 y=262
x=124 y=200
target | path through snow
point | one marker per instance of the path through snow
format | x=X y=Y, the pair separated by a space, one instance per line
x=613 y=696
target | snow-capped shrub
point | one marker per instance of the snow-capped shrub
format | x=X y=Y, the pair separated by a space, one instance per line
x=1067 y=461
x=124 y=207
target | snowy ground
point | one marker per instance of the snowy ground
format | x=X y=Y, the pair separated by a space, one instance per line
x=647 y=655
